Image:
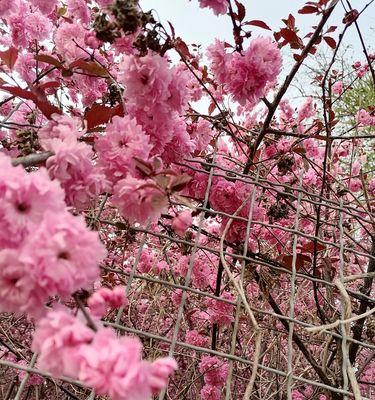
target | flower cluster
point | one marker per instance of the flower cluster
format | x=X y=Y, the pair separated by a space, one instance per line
x=215 y=373
x=104 y=298
x=71 y=163
x=248 y=76
x=111 y=365
x=364 y=118
x=46 y=251
x=217 y=6
x=124 y=140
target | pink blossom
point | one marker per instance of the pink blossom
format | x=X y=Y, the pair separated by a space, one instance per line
x=156 y=95
x=307 y=110
x=67 y=38
x=159 y=372
x=338 y=87
x=138 y=200
x=223 y=196
x=217 y=6
x=214 y=370
x=17 y=292
x=45 y=6
x=250 y=73
x=198 y=185
x=237 y=230
x=178 y=88
x=182 y=222
x=147 y=261
x=37 y=26
x=72 y=166
x=57 y=339
x=104 y=298
x=78 y=10
x=195 y=338
x=181 y=146
x=26 y=67
x=146 y=80
x=123 y=141
x=355 y=185
x=210 y=392
x=201 y=133
x=220 y=312
x=286 y=110
x=364 y=118
x=310 y=177
x=176 y=297
x=161 y=266
x=113 y=367
x=61 y=127
x=362 y=71
x=296 y=395
x=7 y=7
x=219 y=58
x=201 y=273
x=63 y=254
x=24 y=200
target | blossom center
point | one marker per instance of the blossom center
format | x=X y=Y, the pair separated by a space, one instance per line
x=23 y=207
x=63 y=255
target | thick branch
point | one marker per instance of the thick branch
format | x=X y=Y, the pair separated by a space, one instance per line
x=32 y=159
x=366 y=289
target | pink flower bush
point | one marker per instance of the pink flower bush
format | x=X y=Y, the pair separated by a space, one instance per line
x=72 y=163
x=156 y=94
x=122 y=128
x=25 y=198
x=56 y=253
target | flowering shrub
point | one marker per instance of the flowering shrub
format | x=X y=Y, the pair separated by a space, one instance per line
x=173 y=223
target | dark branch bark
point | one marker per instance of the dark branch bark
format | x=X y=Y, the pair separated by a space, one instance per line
x=366 y=289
